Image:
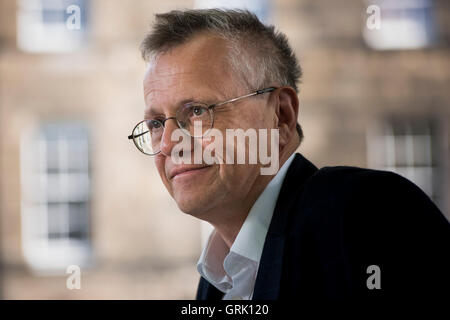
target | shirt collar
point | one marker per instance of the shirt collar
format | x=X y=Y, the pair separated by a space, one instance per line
x=216 y=263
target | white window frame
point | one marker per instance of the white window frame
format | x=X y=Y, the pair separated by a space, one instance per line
x=404 y=24
x=38 y=36
x=42 y=252
x=382 y=150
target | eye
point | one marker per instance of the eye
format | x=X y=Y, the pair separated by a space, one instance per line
x=154 y=124
x=198 y=111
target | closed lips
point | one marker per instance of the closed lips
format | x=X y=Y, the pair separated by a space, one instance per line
x=179 y=170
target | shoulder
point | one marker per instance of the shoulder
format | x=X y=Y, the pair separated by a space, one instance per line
x=349 y=218
x=370 y=197
x=344 y=183
x=351 y=177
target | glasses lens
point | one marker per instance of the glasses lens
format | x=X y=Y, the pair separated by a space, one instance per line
x=147 y=136
x=195 y=119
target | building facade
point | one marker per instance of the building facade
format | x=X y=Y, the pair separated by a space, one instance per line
x=73 y=189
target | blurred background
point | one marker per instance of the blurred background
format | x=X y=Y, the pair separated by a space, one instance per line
x=75 y=191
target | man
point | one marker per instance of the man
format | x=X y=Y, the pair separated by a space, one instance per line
x=332 y=233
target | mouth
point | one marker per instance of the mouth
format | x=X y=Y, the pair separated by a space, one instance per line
x=186 y=171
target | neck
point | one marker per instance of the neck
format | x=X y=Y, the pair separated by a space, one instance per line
x=229 y=220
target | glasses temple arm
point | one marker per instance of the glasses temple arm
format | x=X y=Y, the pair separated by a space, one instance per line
x=135 y=136
x=244 y=96
x=270 y=89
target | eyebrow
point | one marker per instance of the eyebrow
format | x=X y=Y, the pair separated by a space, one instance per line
x=150 y=113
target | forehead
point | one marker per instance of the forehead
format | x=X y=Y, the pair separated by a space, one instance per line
x=195 y=70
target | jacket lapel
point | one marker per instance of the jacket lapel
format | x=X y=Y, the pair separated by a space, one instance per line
x=207 y=291
x=267 y=285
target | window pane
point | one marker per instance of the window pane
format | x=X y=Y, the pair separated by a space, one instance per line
x=422 y=150
x=78 y=220
x=52 y=156
x=57 y=220
x=78 y=159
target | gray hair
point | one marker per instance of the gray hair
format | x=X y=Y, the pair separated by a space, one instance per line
x=260 y=55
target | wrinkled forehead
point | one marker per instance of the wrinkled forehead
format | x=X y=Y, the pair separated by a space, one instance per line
x=198 y=69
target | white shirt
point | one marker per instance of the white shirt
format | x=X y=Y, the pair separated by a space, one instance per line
x=234 y=271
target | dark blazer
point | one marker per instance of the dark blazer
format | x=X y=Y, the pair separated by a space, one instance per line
x=330 y=225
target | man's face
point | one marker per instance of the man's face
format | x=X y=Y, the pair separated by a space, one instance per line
x=199 y=71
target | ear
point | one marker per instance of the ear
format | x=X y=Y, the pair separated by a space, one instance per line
x=286 y=112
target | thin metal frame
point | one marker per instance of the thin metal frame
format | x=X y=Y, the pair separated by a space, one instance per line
x=210 y=109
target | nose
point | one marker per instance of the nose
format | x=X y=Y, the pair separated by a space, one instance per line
x=166 y=142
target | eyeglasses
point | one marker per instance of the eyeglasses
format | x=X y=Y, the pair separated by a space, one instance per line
x=147 y=134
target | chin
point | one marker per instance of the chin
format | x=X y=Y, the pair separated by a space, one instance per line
x=195 y=206
x=197 y=196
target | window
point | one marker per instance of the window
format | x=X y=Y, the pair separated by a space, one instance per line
x=404 y=24
x=51 y=25
x=56 y=194
x=413 y=149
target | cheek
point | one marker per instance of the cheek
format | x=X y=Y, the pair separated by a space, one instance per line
x=245 y=118
x=237 y=180
x=160 y=166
